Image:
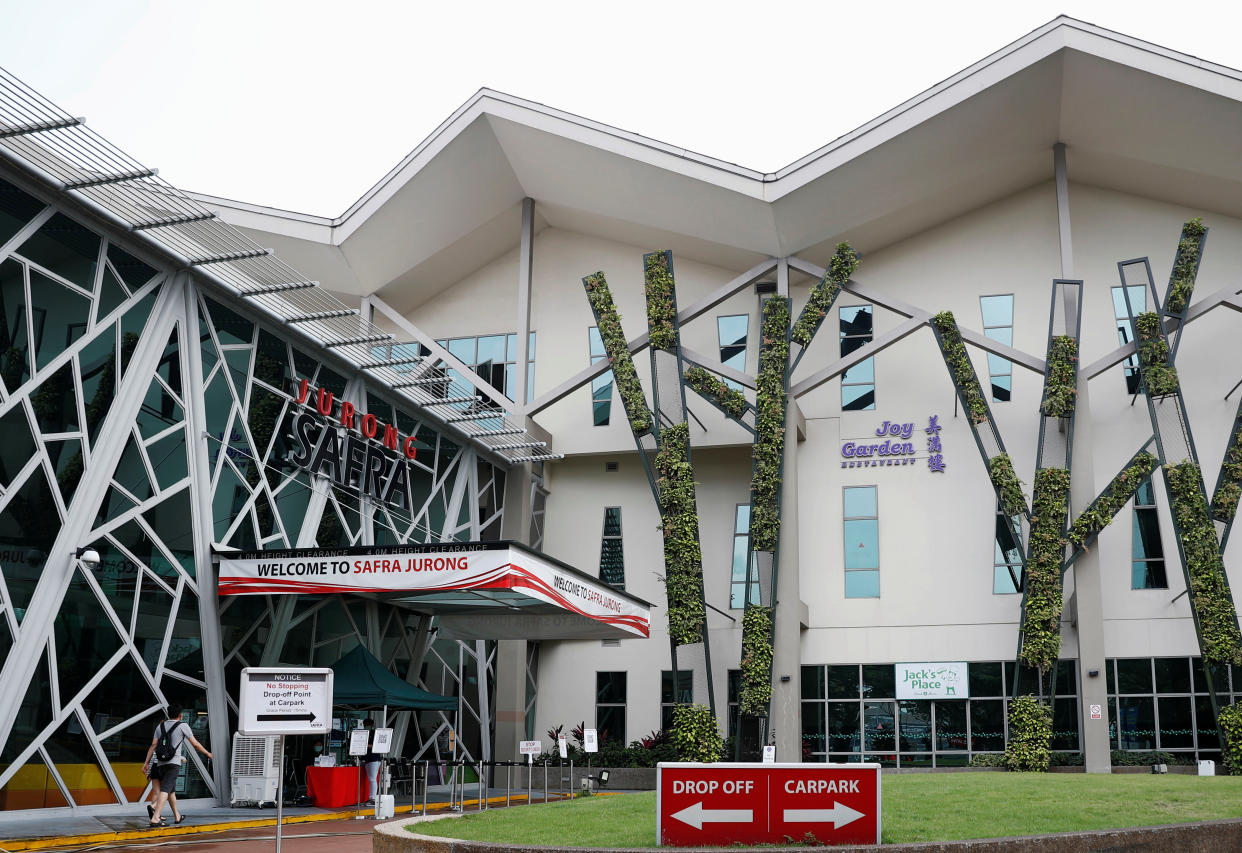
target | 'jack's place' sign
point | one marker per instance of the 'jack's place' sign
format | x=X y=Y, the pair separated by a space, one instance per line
x=932 y=680
x=897 y=448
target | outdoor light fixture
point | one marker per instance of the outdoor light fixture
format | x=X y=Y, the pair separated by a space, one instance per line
x=1094 y=673
x=88 y=556
x=784 y=678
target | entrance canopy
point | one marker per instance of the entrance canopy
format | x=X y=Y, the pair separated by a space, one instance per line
x=479 y=590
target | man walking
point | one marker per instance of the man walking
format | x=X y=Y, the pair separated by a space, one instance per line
x=163 y=763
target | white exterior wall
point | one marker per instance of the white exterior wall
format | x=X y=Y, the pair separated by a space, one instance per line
x=935 y=529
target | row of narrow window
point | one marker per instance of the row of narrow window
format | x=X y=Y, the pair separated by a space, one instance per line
x=861 y=529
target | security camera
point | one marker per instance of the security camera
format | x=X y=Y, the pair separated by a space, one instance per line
x=89 y=557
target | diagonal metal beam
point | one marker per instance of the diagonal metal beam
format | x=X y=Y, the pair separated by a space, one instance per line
x=864 y=352
x=898 y=306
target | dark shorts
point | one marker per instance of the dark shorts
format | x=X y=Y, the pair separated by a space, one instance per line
x=166 y=775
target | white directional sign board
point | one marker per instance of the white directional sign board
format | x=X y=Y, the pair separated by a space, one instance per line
x=285 y=701
x=382 y=744
x=530 y=747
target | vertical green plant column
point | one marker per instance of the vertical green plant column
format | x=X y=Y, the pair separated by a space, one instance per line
x=694 y=734
x=1220 y=641
x=1185 y=266
x=1103 y=509
x=1153 y=350
x=661 y=304
x=728 y=400
x=960 y=368
x=1061 y=380
x=683 y=557
x=842 y=265
x=1229 y=486
x=1041 y=618
x=1030 y=733
x=769 y=452
x=756 y=686
x=613 y=337
x=1007 y=484
x=1231 y=725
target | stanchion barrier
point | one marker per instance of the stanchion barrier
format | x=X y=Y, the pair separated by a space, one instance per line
x=508 y=780
x=426 y=784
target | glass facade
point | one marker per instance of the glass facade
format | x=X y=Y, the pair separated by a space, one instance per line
x=862 y=542
x=610 y=699
x=1147 y=568
x=106 y=365
x=857 y=383
x=673 y=694
x=731 y=332
x=492 y=357
x=1138 y=303
x=611 y=549
x=1006 y=555
x=851 y=713
x=741 y=553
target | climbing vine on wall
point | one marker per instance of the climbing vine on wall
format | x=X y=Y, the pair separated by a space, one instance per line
x=765 y=488
x=1008 y=486
x=1104 y=508
x=661 y=307
x=756 y=687
x=1209 y=589
x=694 y=734
x=1159 y=376
x=963 y=372
x=1041 y=622
x=1185 y=266
x=1060 y=388
x=728 y=400
x=843 y=264
x=683 y=557
x=1030 y=733
x=1231 y=724
x=613 y=338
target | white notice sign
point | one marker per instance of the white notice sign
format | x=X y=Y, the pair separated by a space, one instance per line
x=769 y=754
x=530 y=747
x=382 y=743
x=285 y=701
x=562 y=747
x=359 y=740
x=1097 y=712
x=590 y=740
x=932 y=680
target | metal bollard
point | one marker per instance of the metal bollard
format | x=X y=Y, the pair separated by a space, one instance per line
x=545 y=781
x=530 y=781
x=508 y=780
x=479 y=774
x=571 y=778
x=426 y=784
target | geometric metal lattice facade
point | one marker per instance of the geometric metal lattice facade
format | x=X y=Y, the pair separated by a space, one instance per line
x=120 y=386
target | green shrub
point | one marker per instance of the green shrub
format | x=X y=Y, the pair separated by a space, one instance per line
x=694 y=734
x=1041 y=616
x=960 y=368
x=1030 y=733
x=728 y=400
x=615 y=344
x=840 y=268
x=1209 y=588
x=1158 y=375
x=756 y=687
x=1231 y=725
x=1103 y=509
x=1185 y=266
x=1066 y=759
x=1135 y=758
x=683 y=556
x=1008 y=486
x=661 y=300
x=1061 y=382
x=769 y=452
x=987 y=759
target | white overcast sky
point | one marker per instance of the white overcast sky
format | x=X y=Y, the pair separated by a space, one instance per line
x=304 y=105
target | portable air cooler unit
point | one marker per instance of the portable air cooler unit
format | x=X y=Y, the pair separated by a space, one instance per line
x=256 y=770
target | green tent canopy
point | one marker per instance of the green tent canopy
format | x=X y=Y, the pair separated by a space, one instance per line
x=361 y=682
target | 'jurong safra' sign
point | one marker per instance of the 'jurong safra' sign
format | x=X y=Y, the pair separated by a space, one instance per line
x=371 y=458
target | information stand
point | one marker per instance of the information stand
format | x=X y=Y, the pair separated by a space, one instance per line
x=359 y=740
x=283 y=702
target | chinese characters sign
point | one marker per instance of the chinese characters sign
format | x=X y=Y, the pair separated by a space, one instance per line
x=895 y=448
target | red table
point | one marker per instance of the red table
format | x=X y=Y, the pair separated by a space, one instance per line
x=333 y=787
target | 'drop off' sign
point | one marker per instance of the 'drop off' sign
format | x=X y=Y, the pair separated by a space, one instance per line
x=723 y=804
x=286 y=701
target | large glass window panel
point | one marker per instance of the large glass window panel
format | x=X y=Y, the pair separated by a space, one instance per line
x=1134 y=675
x=741 y=557
x=843 y=682
x=610 y=687
x=1176 y=725
x=731 y=333
x=601 y=386
x=814 y=732
x=857 y=383
x=987 y=725
x=1065 y=724
x=985 y=679
x=862 y=584
x=66 y=248
x=844 y=726
x=879 y=728
x=14 y=324
x=862 y=549
x=1172 y=675
x=1136 y=723
x=611 y=550
x=16 y=209
x=860 y=501
x=813 y=683
x=1147 y=548
x=1138 y=303
x=915 y=725
x=878 y=681
x=997 y=314
x=997 y=310
x=951 y=731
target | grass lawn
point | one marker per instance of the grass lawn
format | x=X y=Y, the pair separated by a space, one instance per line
x=917 y=807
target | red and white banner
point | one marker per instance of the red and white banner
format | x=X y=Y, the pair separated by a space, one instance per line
x=431 y=569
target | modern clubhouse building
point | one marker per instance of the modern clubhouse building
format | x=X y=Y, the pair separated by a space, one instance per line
x=417 y=392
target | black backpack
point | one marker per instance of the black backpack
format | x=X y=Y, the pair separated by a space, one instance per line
x=164 y=751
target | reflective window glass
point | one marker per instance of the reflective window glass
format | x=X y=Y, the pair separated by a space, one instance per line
x=858 y=382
